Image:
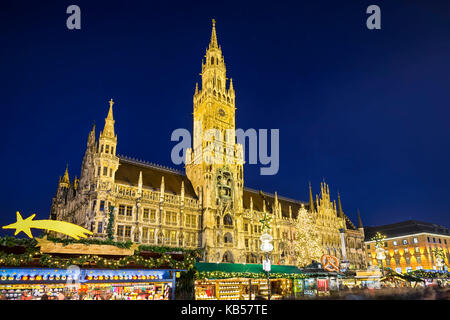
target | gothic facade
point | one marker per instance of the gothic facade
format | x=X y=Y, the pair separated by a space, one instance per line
x=208 y=207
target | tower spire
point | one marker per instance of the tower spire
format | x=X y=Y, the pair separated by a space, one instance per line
x=108 y=130
x=360 y=224
x=66 y=175
x=91 y=138
x=311 y=201
x=213 y=43
x=64 y=182
x=110 y=112
x=340 y=211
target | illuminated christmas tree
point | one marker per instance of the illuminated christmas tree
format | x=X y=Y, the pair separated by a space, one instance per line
x=307 y=240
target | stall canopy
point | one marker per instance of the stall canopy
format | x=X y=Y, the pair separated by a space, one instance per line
x=244 y=268
x=47 y=275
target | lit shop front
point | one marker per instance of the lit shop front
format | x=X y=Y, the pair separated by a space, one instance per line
x=88 y=284
x=232 y=281
x=316 y=281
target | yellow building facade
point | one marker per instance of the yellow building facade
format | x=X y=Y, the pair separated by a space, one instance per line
x=207 y=207
x=412 y=248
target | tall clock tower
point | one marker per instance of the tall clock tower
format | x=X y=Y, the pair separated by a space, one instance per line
x=215 y=163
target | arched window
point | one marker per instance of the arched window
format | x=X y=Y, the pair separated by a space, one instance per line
x=228 y=238
x=227 y=220
x=212 y=60
x=228 y=257
x=218 y=221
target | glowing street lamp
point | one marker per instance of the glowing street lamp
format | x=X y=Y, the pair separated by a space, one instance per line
x=379 y=245
x=266 y=247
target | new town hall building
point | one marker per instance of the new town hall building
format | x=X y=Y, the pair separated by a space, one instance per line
x=208 y=207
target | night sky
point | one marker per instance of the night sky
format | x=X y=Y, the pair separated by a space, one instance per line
x=366 y=110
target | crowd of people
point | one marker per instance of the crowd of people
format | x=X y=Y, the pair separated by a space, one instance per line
x=405 y=293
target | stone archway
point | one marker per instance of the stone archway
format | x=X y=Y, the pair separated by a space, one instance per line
x=228 y=257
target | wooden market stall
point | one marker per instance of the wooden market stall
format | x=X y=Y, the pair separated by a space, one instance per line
x=233 y=281
x=102 y=269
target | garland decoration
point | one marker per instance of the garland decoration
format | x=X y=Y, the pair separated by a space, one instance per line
x=260 y=275
x=65 y=242
x=32 y=256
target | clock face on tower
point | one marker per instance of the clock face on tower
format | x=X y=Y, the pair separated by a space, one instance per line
x=221 y=113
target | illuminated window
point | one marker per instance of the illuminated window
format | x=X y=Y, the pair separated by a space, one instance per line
x=405 y=241
x=145 y=214
x=153 y=215
x=417 y=249
x=171 y=218
x=128 y=231
x=415 y=240
x=228 y=238
x=120 y=230
x=174 y=218
x=144 y=233
x=394 y=243
x=173 y=236
x=151 y=235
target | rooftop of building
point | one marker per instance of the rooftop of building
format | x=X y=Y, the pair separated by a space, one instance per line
x=129 y=169
x=405 y=228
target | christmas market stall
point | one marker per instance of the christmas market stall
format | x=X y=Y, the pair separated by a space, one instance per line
x=90 y=269
x=431 y=278
x=90 y=284
x=369 y=278
x=317 y=281
x=233 y=281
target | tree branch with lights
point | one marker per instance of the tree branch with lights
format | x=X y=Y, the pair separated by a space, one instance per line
x=307 y=241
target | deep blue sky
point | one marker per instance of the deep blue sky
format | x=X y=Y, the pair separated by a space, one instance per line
x=365 y=110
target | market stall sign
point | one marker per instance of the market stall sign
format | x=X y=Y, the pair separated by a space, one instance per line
x=70 y=229
x=7 y=275
x=330 y=263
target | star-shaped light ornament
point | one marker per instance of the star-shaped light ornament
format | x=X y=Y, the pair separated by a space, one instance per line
x=266 y=222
